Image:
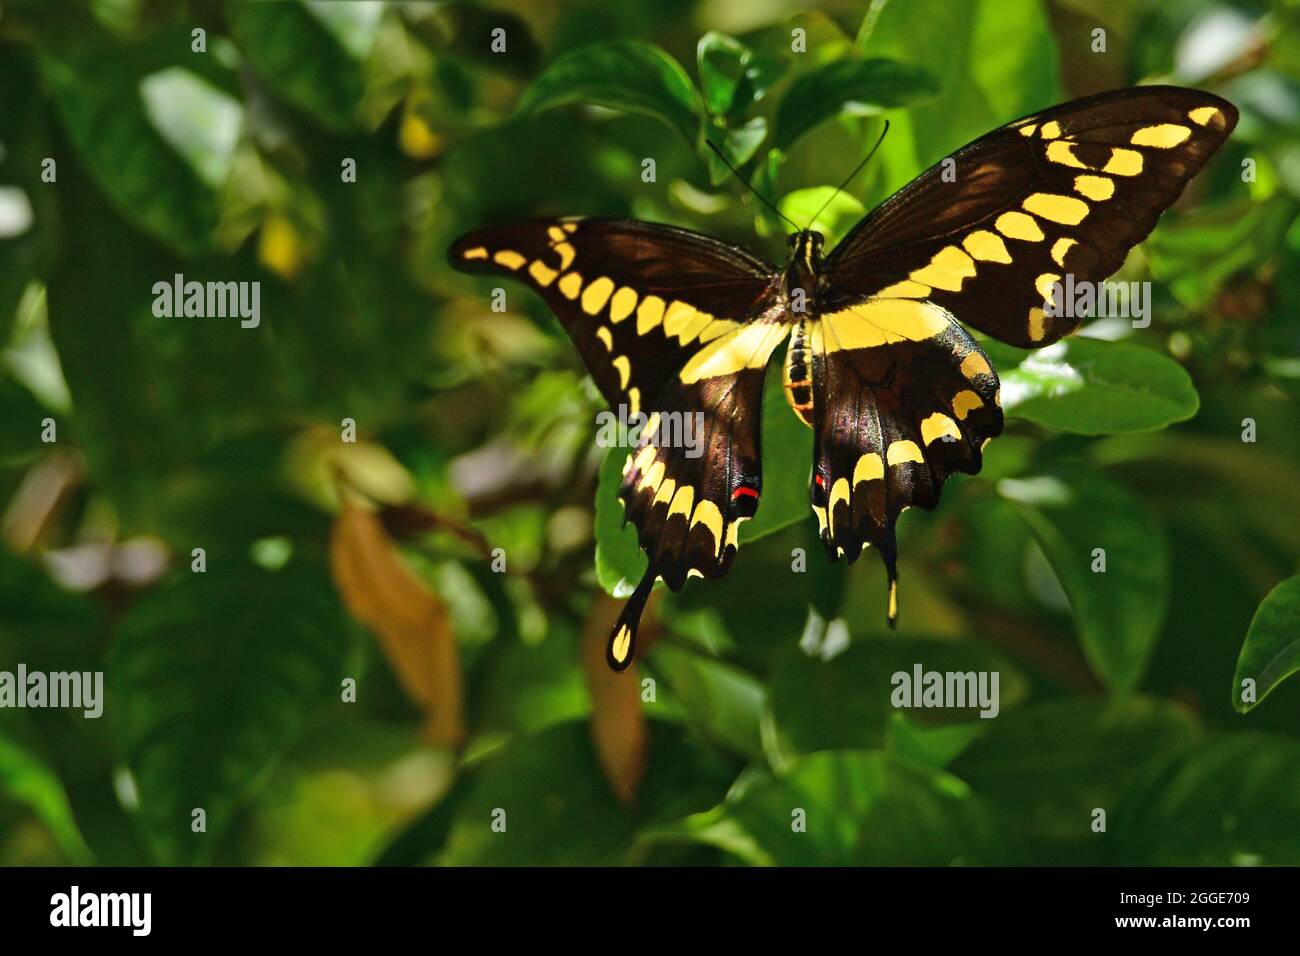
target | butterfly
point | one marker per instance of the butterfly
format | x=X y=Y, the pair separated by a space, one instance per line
x=670 y=323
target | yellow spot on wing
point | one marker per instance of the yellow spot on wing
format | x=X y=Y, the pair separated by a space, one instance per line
x=565 y=252
x=839 y=492
x=716 y=329
x=986 y=246
x=1094 y=187
x=634 y=401
x=975 y=364
x=1059 y=248
x=1044 y=284
x=1037 y=324
x=869 y=467
x=1051 y=130
x=543 y=274
x=665 y=492
x=1202 y=115
x=938 y=425
x=707 y=514
x=879 y=322
x=644 y=457
x=750 y=346
x=596 y=294
x=694 y=327
x=1062 y=152
x=907 y=289
x=555 y=233
x=621 y=306
x=1028 y=130
x=903 y=451
x=624 y=370
x=1063 y=209
x=606 y=339
x=677 y=315
x=652 y=477
x=1163 y=136
x=570 y=285
x=682 y=501
x=509 y=258
x=1016 y=225
x=1124 y=162
x=621 y=644
x=965 y=402
x=478 y=252
x=650 y=313
x=948 y=268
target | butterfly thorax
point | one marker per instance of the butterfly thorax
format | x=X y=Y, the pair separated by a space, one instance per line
x=802 y=282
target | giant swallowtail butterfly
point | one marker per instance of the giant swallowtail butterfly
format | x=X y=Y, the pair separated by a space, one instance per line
x=897 y=393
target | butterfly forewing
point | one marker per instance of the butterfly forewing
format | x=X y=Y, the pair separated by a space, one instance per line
x=1069 y=190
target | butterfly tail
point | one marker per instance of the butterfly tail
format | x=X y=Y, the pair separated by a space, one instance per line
x=888 y=550
x=621 y=649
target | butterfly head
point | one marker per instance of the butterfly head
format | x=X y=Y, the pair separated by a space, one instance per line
x=806 y=248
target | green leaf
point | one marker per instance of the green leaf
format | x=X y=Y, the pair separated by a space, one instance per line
x=626 y=75
x=1271 y=651
x=859 y=87
x=839 y=212
x=845 y=702
x=313 y=55
x=724 y=703
x=1196 y=253
x=1226 y=801
x=1046 y=767
x=1117 y=611
x=620 y=563
x=859 y=809
x=738 y=145
x=558 y=809
x=1091 y=387
x=721 y=60
x=158 y=138
x=28 y=780
x=994 y=61
x=206 y=702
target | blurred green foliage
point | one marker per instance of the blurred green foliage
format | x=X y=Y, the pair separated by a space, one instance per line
x=131 y=152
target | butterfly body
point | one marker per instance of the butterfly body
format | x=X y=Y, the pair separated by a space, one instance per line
x=672 y=323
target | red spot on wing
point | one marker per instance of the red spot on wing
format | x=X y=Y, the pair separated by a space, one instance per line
x=742 y=491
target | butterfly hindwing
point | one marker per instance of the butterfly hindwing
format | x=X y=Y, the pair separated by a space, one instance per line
x=902 y=398
x=1069 y=190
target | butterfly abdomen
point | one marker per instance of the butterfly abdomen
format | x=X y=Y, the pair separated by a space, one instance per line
x=798 y=375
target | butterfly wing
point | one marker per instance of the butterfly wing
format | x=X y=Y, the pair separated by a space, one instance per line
x=902 y=395
x=678 y=327
x=1069 y=190
x=637 y=299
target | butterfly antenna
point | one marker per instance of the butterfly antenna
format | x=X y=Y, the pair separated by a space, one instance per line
x=848 y=179
x=750 y=186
